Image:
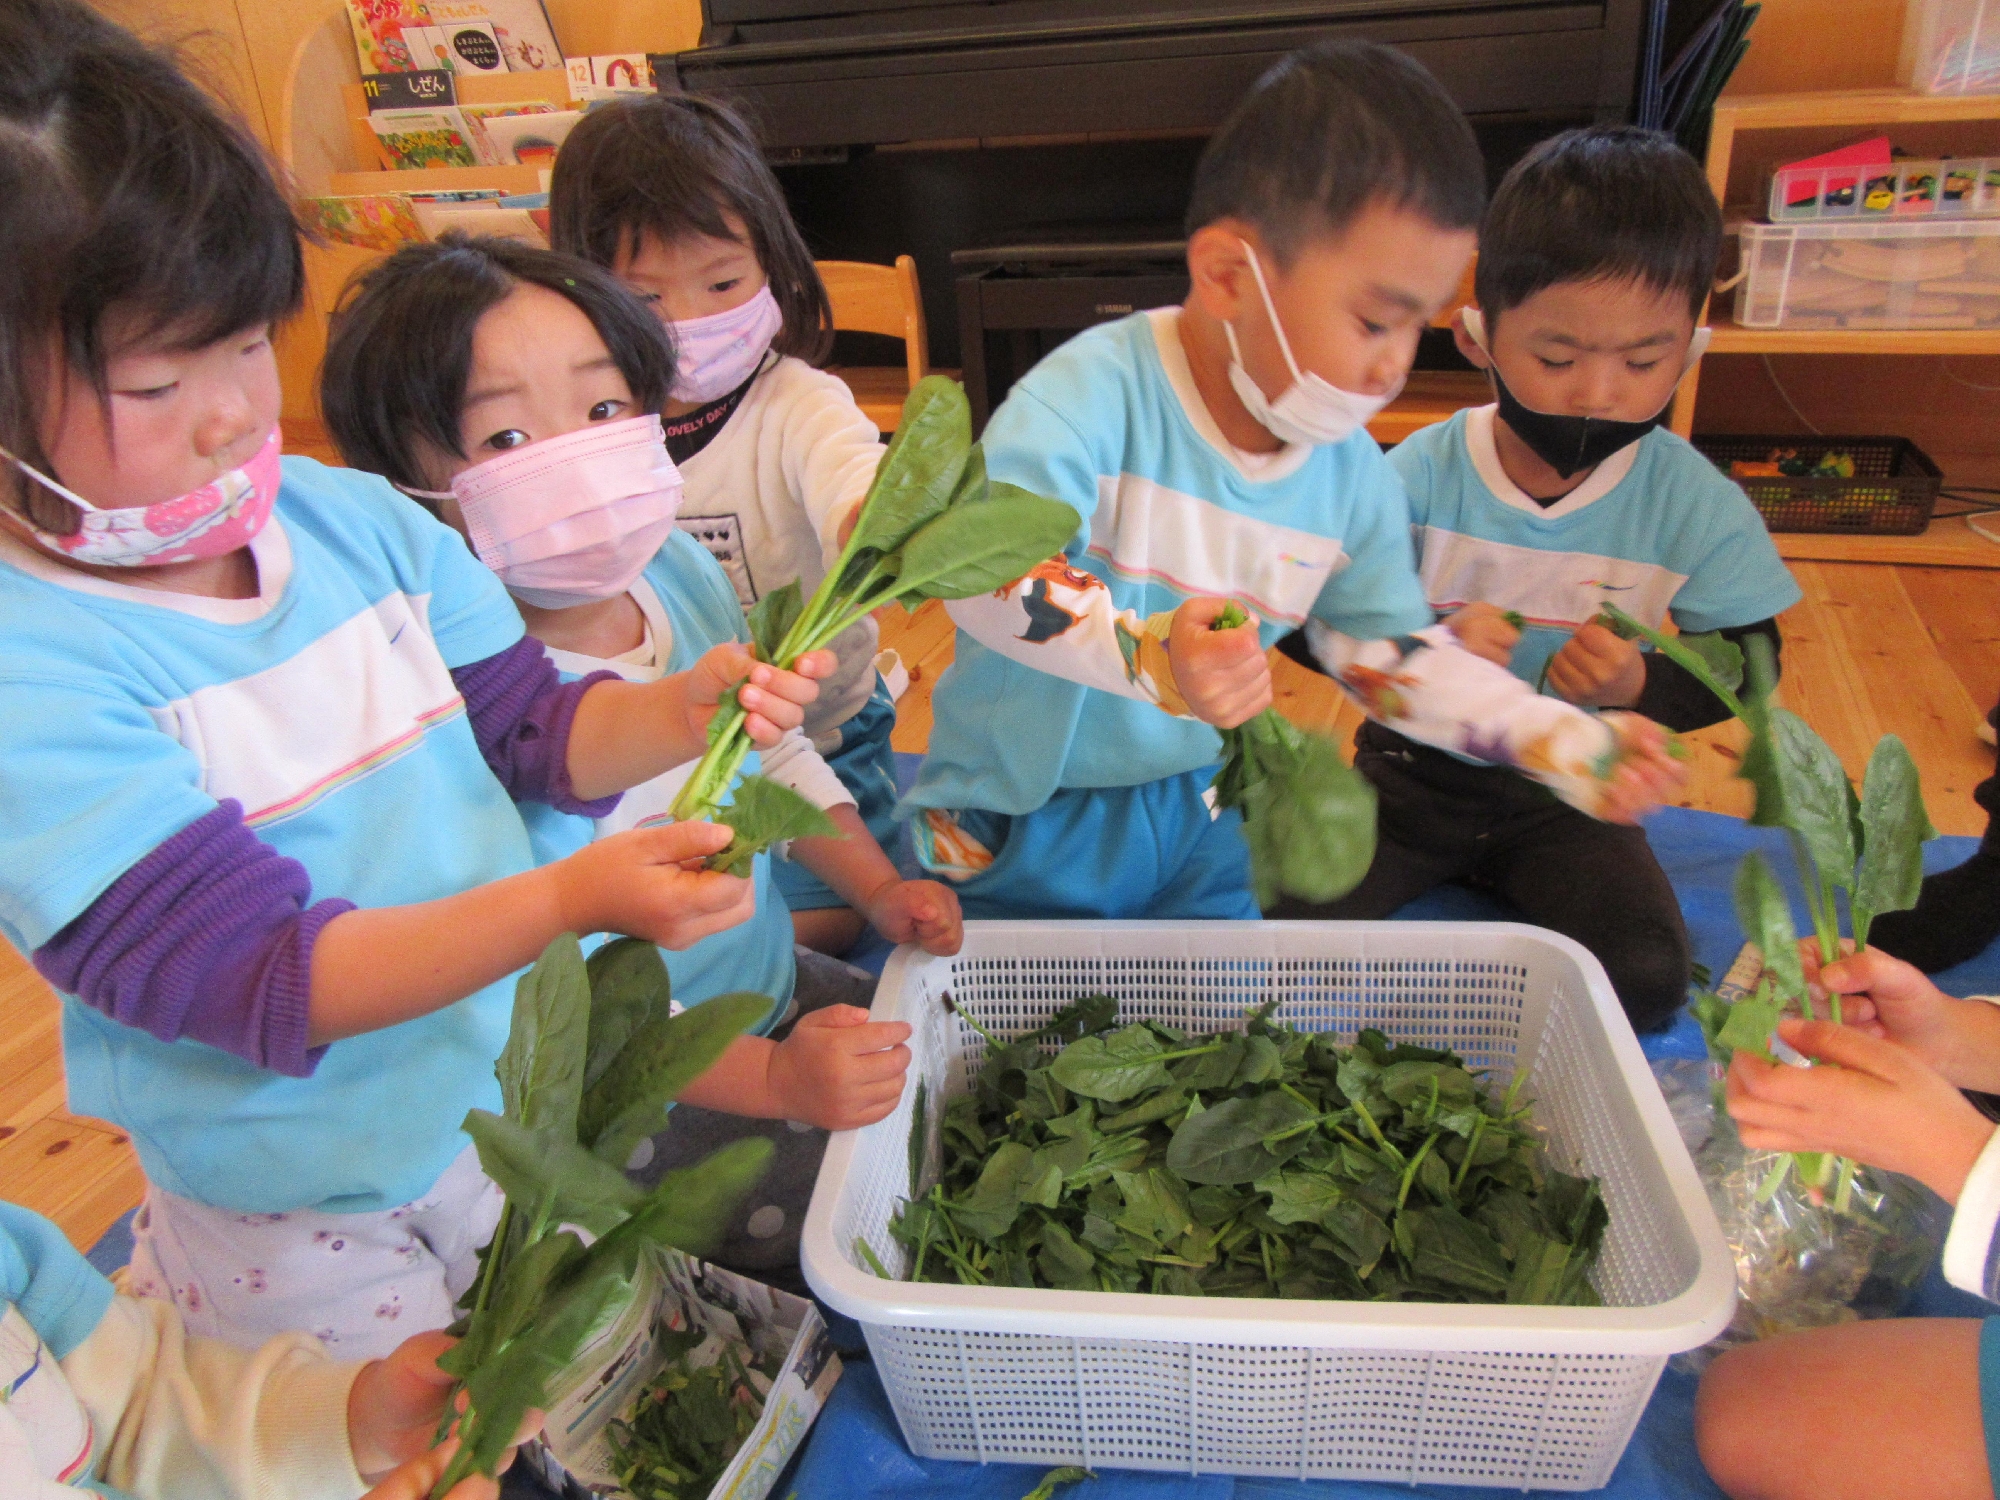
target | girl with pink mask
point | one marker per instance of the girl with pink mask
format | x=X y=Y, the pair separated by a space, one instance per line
x=671 y=193
x=269 y=731
x=528 y=416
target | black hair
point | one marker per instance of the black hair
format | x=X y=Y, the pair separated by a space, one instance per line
x=399 y=345
x=127 y=192
x=671 y=164
x=1605 y=203
x=1330 y=130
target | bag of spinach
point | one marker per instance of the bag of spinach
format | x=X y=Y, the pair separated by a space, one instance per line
x=593 y=1058
x=1268 y=1162
x=933 y=526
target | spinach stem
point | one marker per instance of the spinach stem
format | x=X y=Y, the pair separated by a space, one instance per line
x=1410 y=1172
x=1376 y=1131
x=1471 y=1150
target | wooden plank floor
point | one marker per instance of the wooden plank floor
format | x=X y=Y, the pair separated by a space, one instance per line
x=1873 y=649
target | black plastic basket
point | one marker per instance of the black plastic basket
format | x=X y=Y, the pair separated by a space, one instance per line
x=1892 y=493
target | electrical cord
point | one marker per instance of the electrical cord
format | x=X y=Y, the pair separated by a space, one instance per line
x=1772 y=375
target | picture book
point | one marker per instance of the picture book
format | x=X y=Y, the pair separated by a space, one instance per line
x=609 y=76
x=424 y=137
x=429 y=89
x=477 y=115
x=370 y=221
x=520 y=27
x=461 y=47
x=530 y=140
x=378 y=33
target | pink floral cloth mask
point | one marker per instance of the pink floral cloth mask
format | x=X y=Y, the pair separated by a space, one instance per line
x=571 y=519
x=716 y=354
x=213 y=521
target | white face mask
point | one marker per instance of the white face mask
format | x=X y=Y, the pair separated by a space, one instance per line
x=1310 y=410
x=571 y=519
x=716 y=354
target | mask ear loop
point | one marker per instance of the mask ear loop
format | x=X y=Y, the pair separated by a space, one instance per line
x=42 y=479
x=416 y=494
x=1271 y=312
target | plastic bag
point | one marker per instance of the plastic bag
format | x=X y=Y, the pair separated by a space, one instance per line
x=1799 y=1264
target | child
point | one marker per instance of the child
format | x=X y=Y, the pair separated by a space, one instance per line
x=671 y=192
x=1217 y=449
x=267 y=724
x=1909 y=1408
x=110 y=1390
x=525 y=352
x=1594 y=262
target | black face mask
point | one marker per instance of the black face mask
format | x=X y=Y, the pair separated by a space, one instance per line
x=1568 y=444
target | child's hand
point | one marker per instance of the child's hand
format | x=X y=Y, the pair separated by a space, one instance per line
x=394 y=1404
x=415 y=1479
x=1888 y=998
x=1485 y=631
x=1881 y=1105
x=1646 y=773
x=918 y=911
x=774 y=700
x=838 y=1069
x=1596 y=669
x=648 y=883
x=1222 y=674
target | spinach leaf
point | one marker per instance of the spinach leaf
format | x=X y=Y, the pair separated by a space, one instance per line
x=1766 y=918
x=772 y=618
x=1055 y=1479
x=1445 y=1246
x=1234 y=1142
x=629 y=1100
x=1896 y=828
x=541 y=1068
x=628 y=987
x=1112 y=1068
x=919 y=473
x=764 y=813
x=1712 y=659
x=547 y=1167
x=975 y=549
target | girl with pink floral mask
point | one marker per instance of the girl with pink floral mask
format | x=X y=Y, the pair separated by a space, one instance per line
x=672 y=195
x=270 y=731
x=530 y=420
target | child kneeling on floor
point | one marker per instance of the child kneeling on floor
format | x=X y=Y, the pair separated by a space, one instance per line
x=1594 y=261
x=1899 y=1408
x=110 y=1391
x=540 y=378
x=1217 y=451
x=267 y=726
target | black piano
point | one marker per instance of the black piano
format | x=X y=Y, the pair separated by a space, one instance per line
x=933 y=128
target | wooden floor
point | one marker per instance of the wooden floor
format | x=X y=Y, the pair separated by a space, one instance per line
x=1875 y=648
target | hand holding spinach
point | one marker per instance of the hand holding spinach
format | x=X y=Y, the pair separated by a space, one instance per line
x=1308 y=816
x=932 y=527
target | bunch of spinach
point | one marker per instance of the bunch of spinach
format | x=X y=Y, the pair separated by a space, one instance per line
x=1715 y=661
x=1308 y=816
x=1867 y=848
x=933 y=526
x=686 y=1426
x=593 y=1058
x=1267 y=1162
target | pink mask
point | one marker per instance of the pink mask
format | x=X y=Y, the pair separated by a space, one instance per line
x=718 y=353
x=213 y=521
x=575 y=518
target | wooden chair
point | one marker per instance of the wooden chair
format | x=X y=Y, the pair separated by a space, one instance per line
x=1433 y=395
x=879 y=299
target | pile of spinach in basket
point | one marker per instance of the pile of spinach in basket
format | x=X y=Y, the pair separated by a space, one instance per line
x=1267 y=1162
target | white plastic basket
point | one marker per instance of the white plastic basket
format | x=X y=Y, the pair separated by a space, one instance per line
x=1505 y=1396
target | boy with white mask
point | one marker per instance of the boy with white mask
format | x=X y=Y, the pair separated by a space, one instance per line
x=1215 y=451
x=1565 y=495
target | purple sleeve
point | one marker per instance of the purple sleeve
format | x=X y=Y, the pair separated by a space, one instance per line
x=521 y=711
x=207 y=938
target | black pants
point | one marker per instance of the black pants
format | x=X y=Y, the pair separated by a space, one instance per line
x=762 y=1240
x=1442 y=819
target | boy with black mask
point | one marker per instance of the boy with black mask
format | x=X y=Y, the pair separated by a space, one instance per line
x=1594 y=261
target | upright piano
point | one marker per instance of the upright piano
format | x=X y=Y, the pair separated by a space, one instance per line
x=933 y=127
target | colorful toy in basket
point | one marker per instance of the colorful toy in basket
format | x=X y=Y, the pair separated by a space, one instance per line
x=1265 y=1162
x=1526 y=1396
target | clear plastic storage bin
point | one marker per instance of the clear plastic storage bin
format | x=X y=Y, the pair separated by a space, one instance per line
x=1935 y=273
x=1520 y=1397
x=1951 y=47
x=1961 y=187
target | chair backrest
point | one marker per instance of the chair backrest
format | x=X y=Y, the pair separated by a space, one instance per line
x=880 y=299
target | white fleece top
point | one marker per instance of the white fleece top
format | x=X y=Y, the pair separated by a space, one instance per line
x=767 y=496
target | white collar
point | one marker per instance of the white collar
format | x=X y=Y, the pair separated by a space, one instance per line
x=1258 y=468
x=1485 y=456
x=270 y=548
x=659 y=634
